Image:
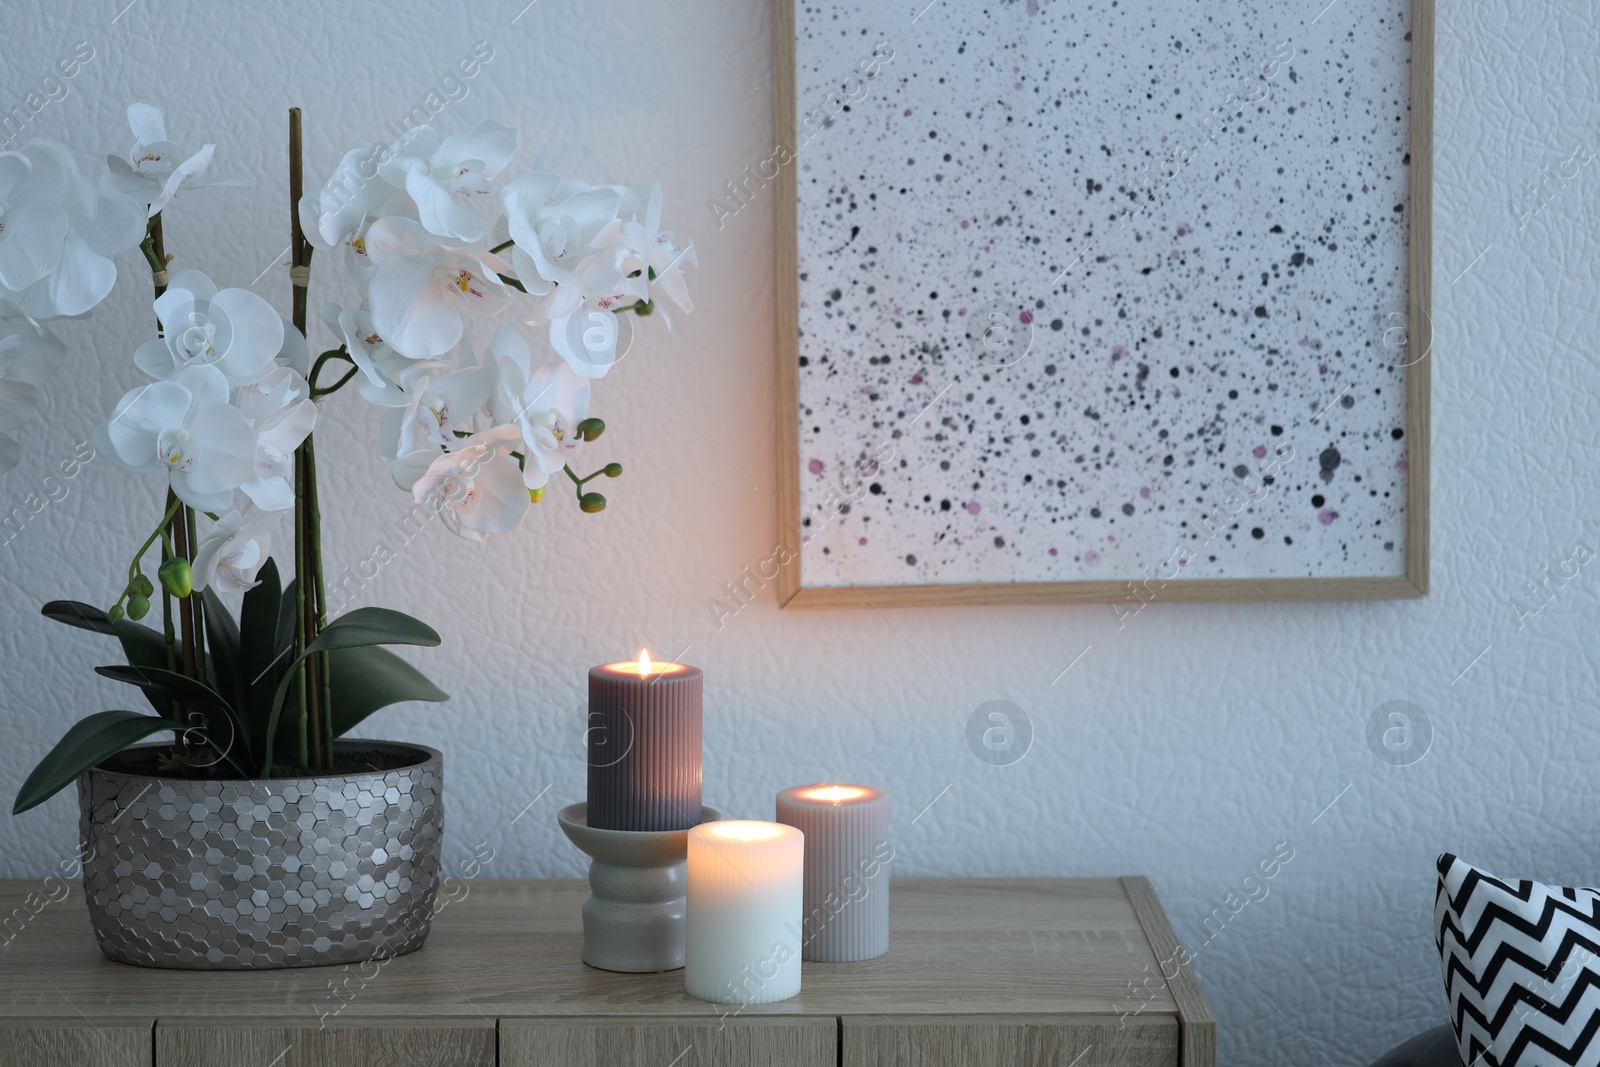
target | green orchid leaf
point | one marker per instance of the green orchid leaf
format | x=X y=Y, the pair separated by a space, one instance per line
x=264 y=651
x=144 y=647
x=364 y=680
x=286 y=617
x=354 y=629
x=169 y=686
x=74 y=613
x=373 y=626
x=222 y=650
x=91 y=740
x=259 y=646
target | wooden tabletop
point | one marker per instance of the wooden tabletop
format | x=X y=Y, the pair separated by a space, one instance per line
x=510 y=949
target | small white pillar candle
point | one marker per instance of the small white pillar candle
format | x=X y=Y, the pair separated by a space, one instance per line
x=847 y=877
x=742 y=922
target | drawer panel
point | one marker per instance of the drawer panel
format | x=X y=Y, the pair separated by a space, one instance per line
x=75 y=1043
x=633 y=1042
x=1010 y=1041
x=401 y=1042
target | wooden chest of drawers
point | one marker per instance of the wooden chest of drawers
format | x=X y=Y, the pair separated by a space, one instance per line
x=980 y=973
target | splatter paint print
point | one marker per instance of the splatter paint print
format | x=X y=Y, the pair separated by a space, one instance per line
x=1102 y=289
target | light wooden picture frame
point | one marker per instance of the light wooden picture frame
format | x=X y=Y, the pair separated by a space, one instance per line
x=841 y=77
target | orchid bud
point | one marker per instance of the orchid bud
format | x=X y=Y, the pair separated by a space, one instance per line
x=590 y=429
x=176 y=577
x=138 y=607
x=592 y=503
x=115 y=614
x=613 y=470
x=644 y=307
x=536 y=495
x=142 y=586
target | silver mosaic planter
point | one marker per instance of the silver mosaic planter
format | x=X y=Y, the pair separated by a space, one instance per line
x=247 y=874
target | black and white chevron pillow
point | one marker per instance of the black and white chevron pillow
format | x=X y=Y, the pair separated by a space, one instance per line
x=1521 y=968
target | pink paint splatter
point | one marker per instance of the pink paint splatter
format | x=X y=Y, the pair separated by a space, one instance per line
x=1053 y=552
x=863 y=540
x=1259 y=451
x=1322 y=368
x=1026 y=318
x=1092 y=558
x=1144 y=491
x=1326 y=516
x=965 y=223
x=973 y=507
x=908 y=112
x=916 y=379
x=815 y=466
x=1305 y=342
x=1118 y=351
x=1184 y=229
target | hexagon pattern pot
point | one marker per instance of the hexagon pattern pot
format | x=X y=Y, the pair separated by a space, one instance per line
x=250 y=874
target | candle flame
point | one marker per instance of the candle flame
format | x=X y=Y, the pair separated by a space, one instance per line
x=834 y=794
x=644 y=662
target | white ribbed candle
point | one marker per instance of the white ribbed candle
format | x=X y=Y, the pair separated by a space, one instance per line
x=742 y=922
x=846 y=829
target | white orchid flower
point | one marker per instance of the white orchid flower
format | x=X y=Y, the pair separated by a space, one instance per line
x=58 y=234
x=294 y=352
x=422 y=293
x=449 y=180
x=156 y=168
x=231 y=553
x=282 y=415
x=508 y=357
x=381 y=366
x=477 y=489
x=555 y=225
x=28 y=352
x=655 y=252
x=553 y=401
x=233 y=330
x=29 y=355
x=187 y=428
x=349 y=202
x=587 y=339
x=437 y=406
x=33 y=225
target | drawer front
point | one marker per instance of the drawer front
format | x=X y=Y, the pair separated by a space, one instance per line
x=69 y=1043
x=402 y=1042
x=632 y=1042
x=1004 y=1041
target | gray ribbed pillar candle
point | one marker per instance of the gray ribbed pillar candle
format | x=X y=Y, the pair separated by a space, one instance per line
x=644 y=746
x=847 y=869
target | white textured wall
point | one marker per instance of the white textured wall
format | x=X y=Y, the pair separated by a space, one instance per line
x=1186 y=745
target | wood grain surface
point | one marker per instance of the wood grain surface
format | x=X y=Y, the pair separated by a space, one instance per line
x=1038 y=966
x=606 y=1042
x=75 y=1042
x=246 y=1042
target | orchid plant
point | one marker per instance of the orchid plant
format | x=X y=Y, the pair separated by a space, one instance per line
x=449 y=256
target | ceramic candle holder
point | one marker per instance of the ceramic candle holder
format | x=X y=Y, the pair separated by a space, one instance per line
x=633 y=920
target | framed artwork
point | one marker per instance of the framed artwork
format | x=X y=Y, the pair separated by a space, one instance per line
x=1082 y=300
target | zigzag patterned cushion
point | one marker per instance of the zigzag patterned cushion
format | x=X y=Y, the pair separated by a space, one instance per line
x=1521 y=968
